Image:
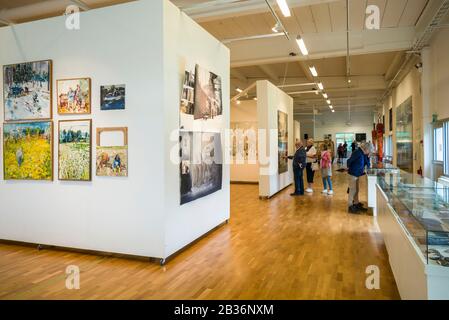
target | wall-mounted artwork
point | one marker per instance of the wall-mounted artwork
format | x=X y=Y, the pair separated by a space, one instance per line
x=73 y=96
x=188 y=93
x=112 y=160
x=75 y=150
x=28 y=151
x=27 y=91
x=282 y=142
x=201 y=166
x=208 y=94
x=112 y=97
x=244 y=141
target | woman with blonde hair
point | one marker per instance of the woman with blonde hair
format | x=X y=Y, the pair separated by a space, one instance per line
x=326 y=170
x=311 y=160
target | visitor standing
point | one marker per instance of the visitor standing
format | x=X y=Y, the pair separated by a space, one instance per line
x=311 y=164
x=356 y=169
x=326 y=170
x=299 y=163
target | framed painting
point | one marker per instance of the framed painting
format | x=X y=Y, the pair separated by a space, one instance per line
x=112 y=158
x=282 y=142
x=28 y=151
x=74 y=96
x=75 y=150
x=112 y=97
x=27 y=91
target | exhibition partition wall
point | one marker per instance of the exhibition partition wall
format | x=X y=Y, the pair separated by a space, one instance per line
x=124 y=85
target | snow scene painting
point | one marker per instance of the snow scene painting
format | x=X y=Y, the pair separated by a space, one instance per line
x=27 y=91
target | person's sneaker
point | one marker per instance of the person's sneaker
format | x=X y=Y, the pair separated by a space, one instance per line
x=324 y=191
x=308 y=190
x=295 y=194
x=331 y=192
x=361 y=207
x=353 y=210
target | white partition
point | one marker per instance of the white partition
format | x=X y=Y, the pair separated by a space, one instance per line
x=141 y=44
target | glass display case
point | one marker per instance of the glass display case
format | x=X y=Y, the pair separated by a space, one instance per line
x=422 y=206
x=380 y=169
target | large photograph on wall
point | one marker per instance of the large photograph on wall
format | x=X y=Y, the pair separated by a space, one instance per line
x=201 y=165
x=28 y=151
x=27 y=91
x=282 y=142
x=75 y=150
x=208 y=94
x=244 y=141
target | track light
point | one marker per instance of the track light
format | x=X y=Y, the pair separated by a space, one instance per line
x=333 y=111
x=325 y=96
x=302 y=46
x=277 y=28
x=238 y=102
x=320 y=86
x=328 y=101
x=313 y=71
x=331 y=106
x=238 y=90
x=284 y=8
x=255 y=99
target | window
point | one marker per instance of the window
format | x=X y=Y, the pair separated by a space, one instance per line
x=345 y=137
x=446 y=147
x=438 y=147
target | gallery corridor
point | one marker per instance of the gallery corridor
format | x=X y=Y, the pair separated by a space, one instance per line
x=285 y=248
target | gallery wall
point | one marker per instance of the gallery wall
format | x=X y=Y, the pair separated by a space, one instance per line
x=270 y=100
x=246 y=111
x=187 y=43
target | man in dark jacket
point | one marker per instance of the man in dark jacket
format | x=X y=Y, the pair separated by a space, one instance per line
x=356 y=168
x=299 y=163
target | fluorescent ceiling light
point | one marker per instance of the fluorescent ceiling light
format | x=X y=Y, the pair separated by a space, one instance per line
x=320 y=86
x=302 y=46
x=333 y=110
x=331 y=107
x=238 y=90
x=325 y=96
x=284 y=8
x=313 y=71
x=328 y=101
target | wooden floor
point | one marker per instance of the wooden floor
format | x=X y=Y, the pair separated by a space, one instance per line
x=284 y=248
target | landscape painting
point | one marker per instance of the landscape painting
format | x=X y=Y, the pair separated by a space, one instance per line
x=201 y=166
x=74 y=96
x=112 y=97
x=75 y=150
x=28 y=151
x=112 y=161
x=27 y=91
x=282 y=142
x=208 y=95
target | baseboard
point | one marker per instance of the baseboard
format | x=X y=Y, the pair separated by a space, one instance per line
x=275 y=194
x=245 y=182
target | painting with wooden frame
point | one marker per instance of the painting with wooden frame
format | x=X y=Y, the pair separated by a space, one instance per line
x=28 y=151
x=112 y=160
x=27 y=91
x=75 y=150
x=74 y=96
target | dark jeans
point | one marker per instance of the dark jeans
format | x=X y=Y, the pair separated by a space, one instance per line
x=310 y=173
x=299 y=180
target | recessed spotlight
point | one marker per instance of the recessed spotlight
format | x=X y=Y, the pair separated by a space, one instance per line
x=302 y=46
x=313 y=71
x=349 y=80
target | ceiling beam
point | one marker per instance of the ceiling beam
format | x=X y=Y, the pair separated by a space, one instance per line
x=239 y=75
x=393 y=68
x=272 y=75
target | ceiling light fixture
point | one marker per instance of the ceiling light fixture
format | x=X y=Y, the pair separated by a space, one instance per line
x=325 y=96
x=320 y=86
x=277 y=28
x=238 y=102
x=302 y=46
x=328 y=101
x=313 y=71
x=238 y=90
x=255 y=99
x=333 y=110
x=331 y=107
x=284 y=8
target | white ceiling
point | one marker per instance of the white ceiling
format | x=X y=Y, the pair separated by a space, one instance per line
x=375 y=55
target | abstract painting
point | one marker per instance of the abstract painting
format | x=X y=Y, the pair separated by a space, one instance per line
x=282 y=142
x=28 y=151
x=208 y=95
x=75 y=150
x=112 y=161
x=73 y=96
x=201 y=165
x=27 y=91
x=112 y=97
x=244 y=141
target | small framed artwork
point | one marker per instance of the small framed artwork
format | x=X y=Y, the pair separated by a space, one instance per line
x=74 y=96
x=75 y=150
x=112 y=157
x=112 y=97
x=27 y=91
x=28 y=151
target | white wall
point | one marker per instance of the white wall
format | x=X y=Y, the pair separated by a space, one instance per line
x=140 y=214
x=246 y=111
x=270 y=99
x=186 y=41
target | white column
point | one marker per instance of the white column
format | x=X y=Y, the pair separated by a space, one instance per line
x=426 y=83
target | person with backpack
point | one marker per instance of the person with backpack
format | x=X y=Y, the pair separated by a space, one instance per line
x=326 y=171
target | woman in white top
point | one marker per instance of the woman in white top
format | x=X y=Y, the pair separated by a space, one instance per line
x=311 y=158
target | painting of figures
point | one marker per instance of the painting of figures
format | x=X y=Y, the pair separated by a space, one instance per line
x=201 y=166
x=282 y=142
x=28 y=151
x=75 y=150
x=112 y=161
x=73 y=96
x=244 y=141
x=112 y=97
x=27 y=91
x=208 y=95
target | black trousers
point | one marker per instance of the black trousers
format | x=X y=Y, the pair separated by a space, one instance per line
x=310 y=173
x=299 y=180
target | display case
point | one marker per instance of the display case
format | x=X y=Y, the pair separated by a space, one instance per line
x=377 y=170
